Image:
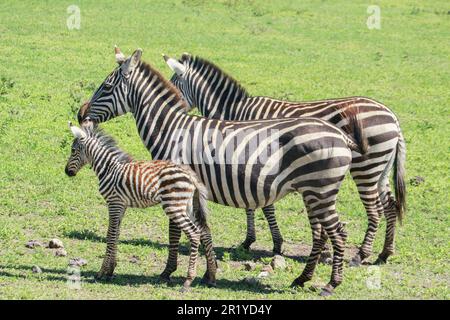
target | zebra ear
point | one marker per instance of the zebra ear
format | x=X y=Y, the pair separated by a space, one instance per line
x=131 y=62
x=77 y=132
x=174 y=65
x=185 y=56
x=120 y=57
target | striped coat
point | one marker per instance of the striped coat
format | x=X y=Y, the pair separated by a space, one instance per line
x=124 y=183
x=219 y=96
x=242 y=164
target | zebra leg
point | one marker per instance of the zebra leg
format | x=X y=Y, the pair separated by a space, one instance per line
x=251 y=234
x=194 y=234
x=269 y=213
x=209 y=278
x=116 y=211
x=390 y=212
x=319 y=239
x=335 y=231
x=371 y=200
x=172 y=261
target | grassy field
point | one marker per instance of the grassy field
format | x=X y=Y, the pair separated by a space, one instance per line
x=298 y=50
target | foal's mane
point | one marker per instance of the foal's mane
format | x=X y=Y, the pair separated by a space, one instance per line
x=196 y=60
x=109 y=143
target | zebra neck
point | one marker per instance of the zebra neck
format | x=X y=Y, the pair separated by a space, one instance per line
x=102 y=160
x=220 y=102
x=157 y=108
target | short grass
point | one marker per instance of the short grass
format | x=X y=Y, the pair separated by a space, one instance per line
x=298 y=50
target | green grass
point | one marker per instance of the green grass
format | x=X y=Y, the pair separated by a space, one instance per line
x=297 y=50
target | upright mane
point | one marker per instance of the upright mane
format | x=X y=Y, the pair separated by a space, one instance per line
x=198 y=62
x=109 y=143
x=146 y=68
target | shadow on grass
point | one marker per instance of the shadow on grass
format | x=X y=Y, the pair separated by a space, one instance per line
x=234 y=253
x=132 y=279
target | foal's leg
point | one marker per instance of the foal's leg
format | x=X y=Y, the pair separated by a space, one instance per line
x=116 y=211
x=172 y=261
x=209 y=278
x=193 y=233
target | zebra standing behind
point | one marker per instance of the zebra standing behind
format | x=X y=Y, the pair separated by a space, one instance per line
x=125 y=183
x=305 y=155
x=219 y=96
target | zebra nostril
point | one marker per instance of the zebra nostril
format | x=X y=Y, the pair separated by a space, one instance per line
x=69 y=172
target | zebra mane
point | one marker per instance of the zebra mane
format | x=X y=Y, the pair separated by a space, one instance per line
x=196 y=61
x=109 y=143
x=147 y=68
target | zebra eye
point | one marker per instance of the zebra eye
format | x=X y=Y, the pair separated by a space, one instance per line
x=108 y=86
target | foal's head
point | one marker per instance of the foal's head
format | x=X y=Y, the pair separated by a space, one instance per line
x=78 y=156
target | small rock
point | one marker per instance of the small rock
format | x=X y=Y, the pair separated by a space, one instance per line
x=134 y=259
x=36 y=269
x=77 y=262
x=417 y=180
x=251 y=281
x=263 y=274
x=278 y=262
x=249 y=265
x=33 y=244
x=267 y=268
x=60 y=252
x=55 y=244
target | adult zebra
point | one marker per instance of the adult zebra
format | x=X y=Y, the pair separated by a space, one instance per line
x=219 y=96
x=307 y=155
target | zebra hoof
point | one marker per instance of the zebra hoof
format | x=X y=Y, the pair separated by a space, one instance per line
x=186 y=286
x=380 y=261
x=208 y=280
x=101 y=275
x=277 y=252
x=246 y=244
x=164 y=278
x=297 y=283
x=327 y=291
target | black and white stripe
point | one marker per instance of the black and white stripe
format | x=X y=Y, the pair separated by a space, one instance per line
x=124 y=183
x=310 y=156
x=219 y=96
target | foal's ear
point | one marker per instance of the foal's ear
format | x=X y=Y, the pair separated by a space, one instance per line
x=131 y=62
x=77 y=132
x=174 y=65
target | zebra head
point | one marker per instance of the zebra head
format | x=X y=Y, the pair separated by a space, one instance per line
x=78 y=156
x=111 y=98
x=205 y=86
x=180 y=78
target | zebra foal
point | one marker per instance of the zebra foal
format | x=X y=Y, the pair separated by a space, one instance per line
x=125 y=183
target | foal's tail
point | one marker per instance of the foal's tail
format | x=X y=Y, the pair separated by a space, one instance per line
x=200 y=201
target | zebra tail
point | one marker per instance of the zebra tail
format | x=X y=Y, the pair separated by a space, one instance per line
x=200 y=199
x=358 y=133
x=399 y=177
